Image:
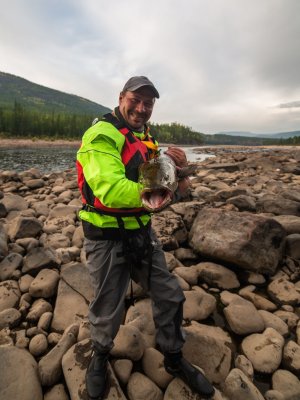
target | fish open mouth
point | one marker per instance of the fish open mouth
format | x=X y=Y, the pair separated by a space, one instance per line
x=156 y=199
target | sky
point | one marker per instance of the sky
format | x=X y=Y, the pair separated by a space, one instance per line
x=219 y=65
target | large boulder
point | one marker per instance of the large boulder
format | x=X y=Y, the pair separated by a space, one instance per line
x=19 y=377
x=246 y=240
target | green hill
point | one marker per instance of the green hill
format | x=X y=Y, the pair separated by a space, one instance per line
x=42 y=99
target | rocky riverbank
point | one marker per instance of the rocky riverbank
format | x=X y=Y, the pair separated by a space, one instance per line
x=234 y=246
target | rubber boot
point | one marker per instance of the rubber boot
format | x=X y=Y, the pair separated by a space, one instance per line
x=96 y=379
x=178 y=367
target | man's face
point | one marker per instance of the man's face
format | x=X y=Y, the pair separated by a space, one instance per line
x=136 y=107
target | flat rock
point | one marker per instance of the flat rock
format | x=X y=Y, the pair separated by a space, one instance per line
x=283 y=291
x=44 y=284
x=216 y=275
x=238 y=386
x=74 y=364
x=9 y=294
x=246 y=240
x=39 y=258
x=140 y=387
x=198 y=305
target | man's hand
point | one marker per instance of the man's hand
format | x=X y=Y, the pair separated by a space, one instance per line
x=178 y=156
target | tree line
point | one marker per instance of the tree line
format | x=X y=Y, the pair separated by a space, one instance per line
x=21 y=122
x=24 y=123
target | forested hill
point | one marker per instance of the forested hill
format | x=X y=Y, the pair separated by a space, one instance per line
x=39 y=98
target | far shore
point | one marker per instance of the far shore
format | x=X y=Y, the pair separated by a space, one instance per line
x=16 y=143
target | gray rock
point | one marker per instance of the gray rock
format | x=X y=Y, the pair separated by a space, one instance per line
x=140 y=387
x=290 y=223
x=38 y=345
x=23 y=227
x=9 y=264
x=232 y=237
x=216 y=275
x=9 y=294
x=208 y=352
x=141 y=316
x=18 y=378
x=50 y=368
x=170 y=229
x=278 y=205
x=273 y=321
x=242 y=317
x=39 y=307
x=73 y=296
x=293 y=245
x=122 y=369
x=39 y=258
x=198 y=305
x=153 y=367
x=14 y=202
x=44 y=284
x=9 y=318
x=57 y=392
x=128 y=343
x=3 y=242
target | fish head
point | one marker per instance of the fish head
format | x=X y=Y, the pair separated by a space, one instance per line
x=158 y=178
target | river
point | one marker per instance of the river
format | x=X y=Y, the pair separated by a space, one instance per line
x=56 y=158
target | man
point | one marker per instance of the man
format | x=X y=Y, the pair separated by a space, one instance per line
x=119 y=241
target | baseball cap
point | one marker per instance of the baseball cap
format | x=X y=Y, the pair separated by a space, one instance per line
x=137 y=82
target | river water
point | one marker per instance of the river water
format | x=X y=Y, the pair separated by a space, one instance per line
x=56 y=158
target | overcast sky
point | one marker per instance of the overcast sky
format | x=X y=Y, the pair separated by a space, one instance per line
x=219 y=65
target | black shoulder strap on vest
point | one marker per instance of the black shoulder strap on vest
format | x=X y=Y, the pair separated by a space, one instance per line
x=113 y=120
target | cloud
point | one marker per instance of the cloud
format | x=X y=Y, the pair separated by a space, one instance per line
x=292 y=104
x=219 y=65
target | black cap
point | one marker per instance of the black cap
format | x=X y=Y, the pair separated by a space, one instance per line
x=137 y=82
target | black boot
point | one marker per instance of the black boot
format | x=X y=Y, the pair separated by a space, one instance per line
x=96 y=376
x=177 y=366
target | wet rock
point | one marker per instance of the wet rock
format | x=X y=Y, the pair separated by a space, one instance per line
x=18 y=378
x=264 y=350
x=232 y=236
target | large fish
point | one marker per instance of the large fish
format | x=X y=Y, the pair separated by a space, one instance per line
x=159 y=178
